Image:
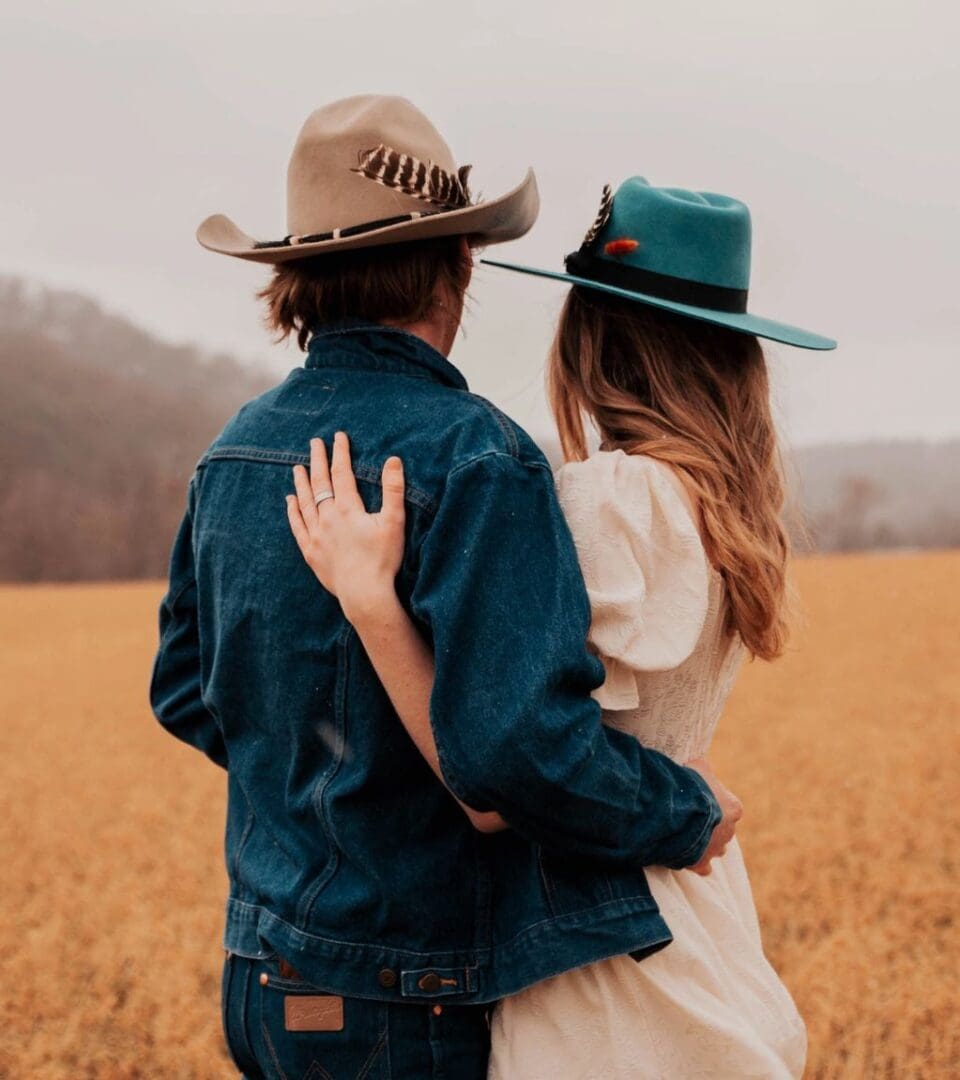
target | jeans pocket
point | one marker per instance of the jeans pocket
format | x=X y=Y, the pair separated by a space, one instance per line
x=309 y=1034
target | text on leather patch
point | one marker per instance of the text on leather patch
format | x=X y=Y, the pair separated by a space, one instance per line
x=314 y=1012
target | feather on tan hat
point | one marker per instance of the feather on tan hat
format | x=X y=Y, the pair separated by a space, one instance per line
x=373 y=170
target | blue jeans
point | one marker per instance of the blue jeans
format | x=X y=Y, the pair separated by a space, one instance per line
x=280 y=1027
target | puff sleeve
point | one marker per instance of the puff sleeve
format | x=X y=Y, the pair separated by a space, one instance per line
x=644 y=564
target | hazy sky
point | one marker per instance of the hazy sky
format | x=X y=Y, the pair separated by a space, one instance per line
x=124 y=124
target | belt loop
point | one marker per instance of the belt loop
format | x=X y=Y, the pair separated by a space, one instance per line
x=287 y=971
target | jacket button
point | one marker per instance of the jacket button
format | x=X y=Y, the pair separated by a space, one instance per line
x=429 y=982
x=387 y=978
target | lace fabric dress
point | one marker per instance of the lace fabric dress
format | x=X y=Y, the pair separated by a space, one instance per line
x=709 y=1005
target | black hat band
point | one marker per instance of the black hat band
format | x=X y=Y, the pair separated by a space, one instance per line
x=342 y=234
x=663 y=286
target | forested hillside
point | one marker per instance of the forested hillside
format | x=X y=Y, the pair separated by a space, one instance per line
x=100 y=426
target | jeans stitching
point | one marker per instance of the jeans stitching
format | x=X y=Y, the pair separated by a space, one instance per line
x=372 y=1056
x=317 y=1072
x=225 y=1005
x=387 y=1065
x=315 y=1066
x=244 y=1001
x=272 y=1051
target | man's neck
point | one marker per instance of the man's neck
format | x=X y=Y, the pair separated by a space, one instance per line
x=437 y=333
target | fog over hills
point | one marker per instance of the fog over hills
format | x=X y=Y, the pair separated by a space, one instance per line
x=101 y=424
x=871 y=495
x=881 y=495
x=100 y=427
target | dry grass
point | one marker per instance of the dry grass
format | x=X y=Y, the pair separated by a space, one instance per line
x=845 y=755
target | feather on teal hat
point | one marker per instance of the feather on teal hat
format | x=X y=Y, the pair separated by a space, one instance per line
x=683 y=251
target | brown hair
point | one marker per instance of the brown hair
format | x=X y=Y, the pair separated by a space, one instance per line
x=397 y=283
x=695 y=396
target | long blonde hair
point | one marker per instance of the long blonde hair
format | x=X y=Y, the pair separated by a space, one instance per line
x=695 y=396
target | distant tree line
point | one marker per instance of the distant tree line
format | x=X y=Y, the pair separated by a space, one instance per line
x=101 y=425
x=879 y=495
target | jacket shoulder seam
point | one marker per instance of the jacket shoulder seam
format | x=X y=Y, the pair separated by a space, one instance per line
x=502 y=422
x=542 y=466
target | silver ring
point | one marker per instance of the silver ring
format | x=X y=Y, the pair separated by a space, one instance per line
x=322 y=497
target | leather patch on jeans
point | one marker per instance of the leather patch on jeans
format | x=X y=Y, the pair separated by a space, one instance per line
x=313 y=1012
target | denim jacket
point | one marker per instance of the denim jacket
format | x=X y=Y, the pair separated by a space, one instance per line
x=344 y=853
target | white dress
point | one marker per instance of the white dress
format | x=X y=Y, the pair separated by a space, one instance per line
x=709 y=1004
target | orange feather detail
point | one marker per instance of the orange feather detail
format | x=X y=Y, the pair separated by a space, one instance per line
x=623 y=246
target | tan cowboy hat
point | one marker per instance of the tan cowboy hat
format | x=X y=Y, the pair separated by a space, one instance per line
x=373 y=170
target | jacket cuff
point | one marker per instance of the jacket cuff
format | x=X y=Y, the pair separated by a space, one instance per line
x=692 y=854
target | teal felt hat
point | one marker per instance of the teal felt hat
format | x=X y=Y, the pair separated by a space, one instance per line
x=683 y=251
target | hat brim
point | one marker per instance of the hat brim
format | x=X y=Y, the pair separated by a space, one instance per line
x=492 y=222
x=733 y=320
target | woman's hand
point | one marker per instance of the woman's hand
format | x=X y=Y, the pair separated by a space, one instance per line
x=355 y=555
x=732 y=810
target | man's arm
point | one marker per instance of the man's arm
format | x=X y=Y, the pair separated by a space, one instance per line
x=500 y=591
x=175 y=689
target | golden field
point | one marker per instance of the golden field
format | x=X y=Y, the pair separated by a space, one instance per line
x=845 y=755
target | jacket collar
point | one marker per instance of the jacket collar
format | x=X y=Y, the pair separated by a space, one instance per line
x=369 y=346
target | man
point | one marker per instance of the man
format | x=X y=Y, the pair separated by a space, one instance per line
x=369 y=924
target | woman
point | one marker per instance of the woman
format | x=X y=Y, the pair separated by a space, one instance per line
x=676 y=520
